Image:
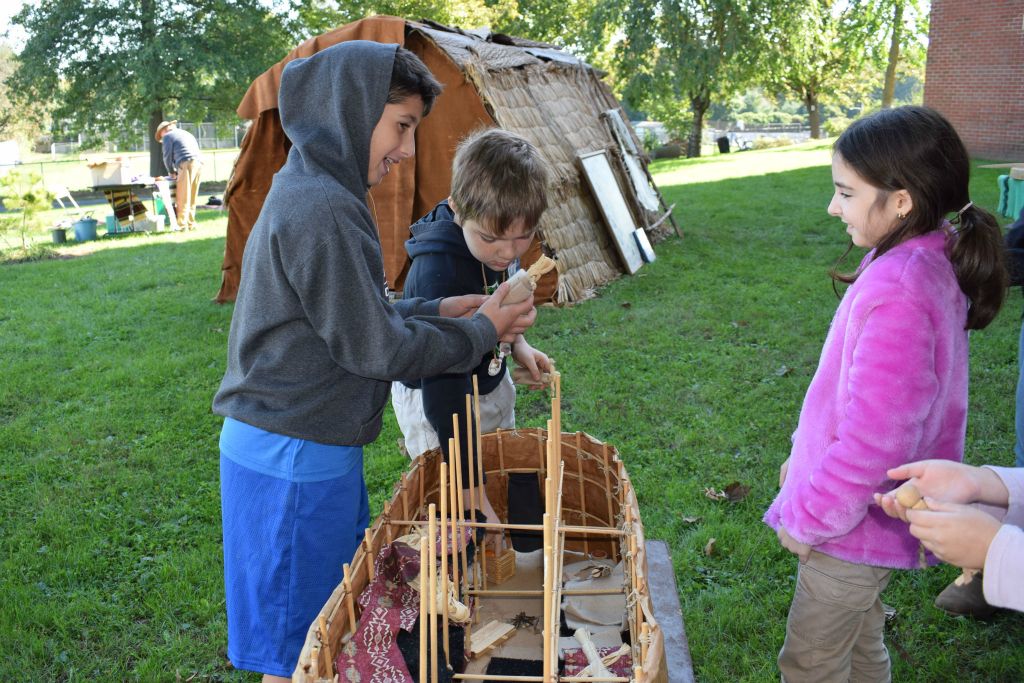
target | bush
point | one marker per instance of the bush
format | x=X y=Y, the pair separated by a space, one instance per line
x=765 y=142
x=24 y=197
x=836 y=125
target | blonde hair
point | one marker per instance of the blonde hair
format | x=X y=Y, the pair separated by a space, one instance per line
x=497 y=178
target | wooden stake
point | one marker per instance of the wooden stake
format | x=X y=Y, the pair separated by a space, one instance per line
x=388 y=535
x=424 y=594
x=480 y=471
x=314 y=661
x=368 y=553
x=349 y=598
x=474 y=493
x=325 y=643
x=443 y=495
x=632 y=573
x=458 y=547
x=432 y=567
x=548 y=567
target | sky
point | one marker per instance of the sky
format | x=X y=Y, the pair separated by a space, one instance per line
x=8 y=8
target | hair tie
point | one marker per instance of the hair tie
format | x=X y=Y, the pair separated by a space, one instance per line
x=960 y=213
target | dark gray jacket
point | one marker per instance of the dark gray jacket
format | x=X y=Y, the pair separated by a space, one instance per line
x=314 y=343
x=177 y=146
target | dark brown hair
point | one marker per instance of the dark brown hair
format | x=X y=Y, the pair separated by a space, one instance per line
x=498 y=177
x=916 y=149
x=410 y=77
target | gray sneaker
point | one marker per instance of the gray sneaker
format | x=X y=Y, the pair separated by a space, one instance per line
x=965 y=597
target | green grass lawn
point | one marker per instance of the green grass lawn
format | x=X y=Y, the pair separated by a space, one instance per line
x=110 y=561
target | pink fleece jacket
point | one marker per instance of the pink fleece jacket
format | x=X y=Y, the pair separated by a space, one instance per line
x=1004 y=562
x=891 y=388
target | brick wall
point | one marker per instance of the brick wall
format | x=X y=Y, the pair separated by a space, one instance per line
x=975 y=73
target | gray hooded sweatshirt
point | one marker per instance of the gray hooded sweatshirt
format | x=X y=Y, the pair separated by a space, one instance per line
x=314 y=344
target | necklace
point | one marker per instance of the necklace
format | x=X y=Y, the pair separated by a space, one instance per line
x=502 y=349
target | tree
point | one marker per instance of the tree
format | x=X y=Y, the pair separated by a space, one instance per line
x=24 y=121
x=317 y=16
x=817 y=45
x=908 y=31
x=109 y=64
x=694 y=51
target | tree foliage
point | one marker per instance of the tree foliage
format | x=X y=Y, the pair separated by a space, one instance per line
x=678 y=56
x=109 y=64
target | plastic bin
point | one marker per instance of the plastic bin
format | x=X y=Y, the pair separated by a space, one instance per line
x=723 y=144
x=85 y=229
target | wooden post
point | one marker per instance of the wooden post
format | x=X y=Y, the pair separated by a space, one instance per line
x=388 y=531
x=368 y=553
x=424 y=595
x=475 y=496
x=325 y=643
x=443 y=491
x=645 y=636
x=480 y=471
x=459 y=548
x=608 y=496
x=349 y=598
x=632 y=574
x=432 y=567
x=548 y=583
x=583 y=498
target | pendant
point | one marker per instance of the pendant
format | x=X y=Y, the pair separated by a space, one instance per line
x=494 y=367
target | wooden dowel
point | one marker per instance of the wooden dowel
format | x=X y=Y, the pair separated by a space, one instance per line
x=325 y=642
x=368 y=553
x=608 y=496
x=349 y=598
x=455 y=486
x=632 y=573
x=432 y=567
x=480 y=470
x=565 y=529
x=314 y=661
x=388 y=536
x=424 y=594
x=443 y=495
x=548 y=579
x=496 y=592
x=459 y=515
x=474 y=494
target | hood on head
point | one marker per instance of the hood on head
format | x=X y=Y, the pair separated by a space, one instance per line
x=330 y=103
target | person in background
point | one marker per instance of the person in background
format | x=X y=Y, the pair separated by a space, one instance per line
x=185 y=164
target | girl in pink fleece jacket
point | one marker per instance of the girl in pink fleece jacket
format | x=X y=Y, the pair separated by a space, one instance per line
x=891 y=385
x=973 y=520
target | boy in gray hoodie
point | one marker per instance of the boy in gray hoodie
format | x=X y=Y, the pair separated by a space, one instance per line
x=314 y=346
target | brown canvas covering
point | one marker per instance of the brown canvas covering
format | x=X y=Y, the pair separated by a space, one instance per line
x=545 y=95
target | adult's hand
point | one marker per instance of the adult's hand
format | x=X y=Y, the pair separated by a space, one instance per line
x=947 y=481
x=460 y=306
x=955 y=533
x=508 y=320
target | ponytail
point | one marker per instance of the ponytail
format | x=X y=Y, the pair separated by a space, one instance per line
x=978 y=258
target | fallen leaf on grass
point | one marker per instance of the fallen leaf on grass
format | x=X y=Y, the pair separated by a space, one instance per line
x=783 y=371
x=709 y=549
x=710 y=492
x=627 y=304
x=691 y=520
x=736 y=492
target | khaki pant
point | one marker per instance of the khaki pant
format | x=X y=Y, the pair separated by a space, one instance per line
x=497 y=409
x=834 y=633
x=186 y=193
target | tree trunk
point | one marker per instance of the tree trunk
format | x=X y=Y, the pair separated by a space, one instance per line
x=698 y=105
x=889 y=89
x=156 y=157
x=813 y=112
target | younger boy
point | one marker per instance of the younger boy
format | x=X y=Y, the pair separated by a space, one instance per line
x=469 y=244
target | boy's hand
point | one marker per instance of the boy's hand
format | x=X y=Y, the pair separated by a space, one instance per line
x=460 y=306
x=957 y=534
x=531 y=359
x=508 y=320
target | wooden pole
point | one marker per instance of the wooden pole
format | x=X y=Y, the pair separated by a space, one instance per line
x=480 y=472
x=443 y=485
x=474 y=493
x=368 y=553
x=632 y=574
x=432 y=567
x=583 y=498
x=608 y=495
x=325 y=642
x=349 y=598
x=645 y=636
x=548 y=572
x=458 y=558
x=388 y=531
x=424 y=594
